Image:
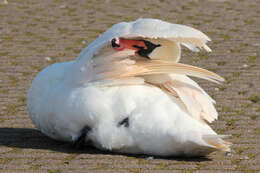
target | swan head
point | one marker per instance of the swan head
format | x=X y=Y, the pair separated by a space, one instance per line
x=142 y=47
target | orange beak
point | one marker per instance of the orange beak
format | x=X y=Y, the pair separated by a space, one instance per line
x=129 y=44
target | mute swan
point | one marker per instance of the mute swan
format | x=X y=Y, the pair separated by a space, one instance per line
x=127 y=92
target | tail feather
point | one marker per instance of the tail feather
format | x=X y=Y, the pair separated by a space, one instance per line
x=217 y=142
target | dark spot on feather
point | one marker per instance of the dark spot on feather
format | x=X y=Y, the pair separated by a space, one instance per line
x=81 y=140
x=124 y=122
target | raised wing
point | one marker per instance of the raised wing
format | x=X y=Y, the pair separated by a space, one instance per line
x=156 y=30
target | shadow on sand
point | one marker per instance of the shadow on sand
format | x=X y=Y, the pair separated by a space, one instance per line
x=34 y=139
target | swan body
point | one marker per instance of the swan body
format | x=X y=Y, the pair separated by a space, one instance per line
x=130 y=103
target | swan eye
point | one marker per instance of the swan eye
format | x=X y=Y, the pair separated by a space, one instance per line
x=114 y=43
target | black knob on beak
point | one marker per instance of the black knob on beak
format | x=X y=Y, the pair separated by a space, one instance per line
x=113 y=43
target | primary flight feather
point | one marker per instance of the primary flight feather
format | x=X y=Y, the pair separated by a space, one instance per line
x=127 y=92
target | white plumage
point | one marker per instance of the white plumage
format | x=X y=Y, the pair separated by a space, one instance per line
x=129 y=103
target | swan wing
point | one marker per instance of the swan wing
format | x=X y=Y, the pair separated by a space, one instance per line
x=154 y=29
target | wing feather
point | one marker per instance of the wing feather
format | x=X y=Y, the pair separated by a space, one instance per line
x=196 y=102
x=131 y=65
x=152 y=29
x=166 y=67
x=191 y=96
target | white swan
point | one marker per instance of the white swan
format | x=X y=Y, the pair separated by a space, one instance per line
x=126 y=92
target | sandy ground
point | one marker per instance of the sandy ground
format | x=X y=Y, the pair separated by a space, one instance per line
x=31 y=31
